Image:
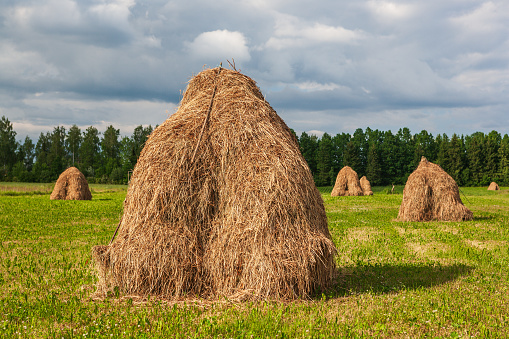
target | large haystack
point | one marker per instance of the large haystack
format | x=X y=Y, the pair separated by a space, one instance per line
x=432 y=194
x=493 y=187
x=71 y=185
x=366 y=186
x=347 y=183
x=221 y=203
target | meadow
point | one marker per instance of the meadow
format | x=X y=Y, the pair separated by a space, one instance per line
x=395 y=279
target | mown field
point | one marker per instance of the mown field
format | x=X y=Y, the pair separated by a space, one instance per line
x=396 y=280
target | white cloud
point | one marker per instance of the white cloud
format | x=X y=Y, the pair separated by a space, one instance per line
x=53 y=13
x=42 y=112
x=484 y=79
x=24 y=65
x=312 y=86
x=114 y=13
x=488 y=17
x=291 y=32
x=220 y=45
x=315 y=132
x=387 y=10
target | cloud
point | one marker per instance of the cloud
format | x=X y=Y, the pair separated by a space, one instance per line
x=332 y=66
x=42 y=112
x=291 y=32
x=104 y=24
x=482 y=28
x=220 y=45
x=387 y=10
x=312 y=86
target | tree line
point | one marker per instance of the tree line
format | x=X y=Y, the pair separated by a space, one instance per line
x=102 y=157
x=383 y=157
x=387 y=158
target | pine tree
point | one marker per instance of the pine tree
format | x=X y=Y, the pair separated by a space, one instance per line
x=373 y=169
x=492 y=145
x=41 y=169
x=503 y=167
x=406 y=151
x=138 y=139
x=475 y=154
x=89 y=151
x=351 y=157
x=308 y=146
x=26 y=153
x=57 y=155
x=455 y=155
x=324 y=161
x=339 y=142
x=389 y=151
x=73 y=143
x=110 y=150
x=361 y=145
x=8 y=145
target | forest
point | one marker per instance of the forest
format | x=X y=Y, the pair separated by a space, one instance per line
x=383 y=157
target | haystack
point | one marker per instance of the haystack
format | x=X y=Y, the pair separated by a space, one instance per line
x=493 y=187
x=432 y=194
x=71 y=185
x=347 y=183
x=366 y=186
x=221 y=203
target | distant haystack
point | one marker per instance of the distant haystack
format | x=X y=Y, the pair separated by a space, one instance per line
x=432 y=194
x=366 y=186
x=221 y=203
x=347 y=183
x=71 y=185
x=493 y=187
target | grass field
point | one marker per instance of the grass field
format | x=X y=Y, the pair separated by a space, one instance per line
x=396 y=280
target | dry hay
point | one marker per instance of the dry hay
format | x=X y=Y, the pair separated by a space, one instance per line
x=71 y=185
x=432 y=194
x=347 y=183
x=493 y=187
x=366 y=186
x=243 y=220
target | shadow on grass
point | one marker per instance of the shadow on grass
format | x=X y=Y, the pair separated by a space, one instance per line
x=485 y=217
x=380 y=279
x=14 y=194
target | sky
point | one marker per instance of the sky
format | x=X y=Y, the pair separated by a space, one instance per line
x=325 y=66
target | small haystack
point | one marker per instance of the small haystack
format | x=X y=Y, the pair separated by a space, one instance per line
x=221 y=203
x=493 y=187
x=347 y=183
x=71 y=185
x=432 y=194
x=366 y=186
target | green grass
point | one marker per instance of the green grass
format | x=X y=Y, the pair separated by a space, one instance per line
x=433 y=279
